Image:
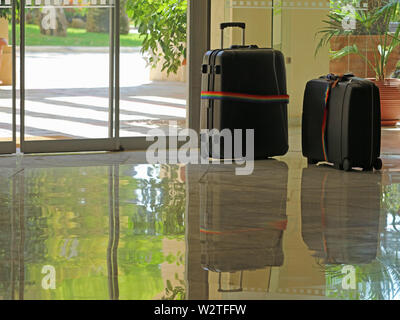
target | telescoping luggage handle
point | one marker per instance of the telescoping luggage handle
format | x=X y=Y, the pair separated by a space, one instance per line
x=243 y=97
x=225 y=25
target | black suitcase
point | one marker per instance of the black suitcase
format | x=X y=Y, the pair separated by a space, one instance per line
x=342 y=122
x=242 y=219
x=244 y=87
x=340 y=222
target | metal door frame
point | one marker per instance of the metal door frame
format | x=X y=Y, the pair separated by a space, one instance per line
x=72 y=145
x=7 y=147
x=198 y=42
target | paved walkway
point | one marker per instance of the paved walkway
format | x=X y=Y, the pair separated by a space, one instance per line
x=67 y=97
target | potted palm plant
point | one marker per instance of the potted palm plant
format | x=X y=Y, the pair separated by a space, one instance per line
x=163 y=27
x=374 y=45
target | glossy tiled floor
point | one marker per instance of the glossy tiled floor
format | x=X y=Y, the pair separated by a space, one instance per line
x=108 y=226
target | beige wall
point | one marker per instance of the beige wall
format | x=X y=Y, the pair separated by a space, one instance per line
x=299 y=43
x=258 y=25
x=294 y=34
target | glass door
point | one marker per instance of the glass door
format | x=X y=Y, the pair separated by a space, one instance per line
x=67 y=75
x=153 y=76
x=8 y=139
x=89 y=81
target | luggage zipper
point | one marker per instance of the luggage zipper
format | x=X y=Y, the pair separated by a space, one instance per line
x=210 y=109
x=278 y=91
x=341 y=125
x=372 y=123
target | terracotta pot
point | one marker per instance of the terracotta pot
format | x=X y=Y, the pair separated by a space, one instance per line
x=368 y=46
x=390 y=100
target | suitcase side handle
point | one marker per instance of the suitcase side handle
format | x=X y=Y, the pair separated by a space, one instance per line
x=225 y=25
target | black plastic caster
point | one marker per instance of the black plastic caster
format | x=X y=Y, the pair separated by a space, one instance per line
x=347 y=164
x=378 y=164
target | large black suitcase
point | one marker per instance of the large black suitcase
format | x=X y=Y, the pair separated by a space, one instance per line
x=244 y=87
x=342 y=122
x=340 y=215
x=242 y=219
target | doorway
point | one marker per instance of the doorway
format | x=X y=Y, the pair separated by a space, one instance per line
x=81 y=81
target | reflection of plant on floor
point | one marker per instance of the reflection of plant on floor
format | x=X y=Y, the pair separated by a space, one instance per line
x=155 y=219
x=163 y=25
x=177 y=292
x=378 y=280
x=161 y=203
x=377 y=20
x=391 y=202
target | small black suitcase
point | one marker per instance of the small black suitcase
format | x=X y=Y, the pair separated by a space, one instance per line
x=340 y=222
x=244 y=87
x=342 y=122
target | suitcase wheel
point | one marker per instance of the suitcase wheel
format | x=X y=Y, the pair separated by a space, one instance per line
x=347 y=164
x=378 y=164
x=312 y=161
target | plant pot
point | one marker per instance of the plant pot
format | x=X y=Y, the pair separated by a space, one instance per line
x=3 y=43
x=368 y=46
x=390 y=100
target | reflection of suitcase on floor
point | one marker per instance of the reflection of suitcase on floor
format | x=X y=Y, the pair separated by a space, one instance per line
x=242 y=223
x=340 y=219
x=342 y=122
x=244 y=87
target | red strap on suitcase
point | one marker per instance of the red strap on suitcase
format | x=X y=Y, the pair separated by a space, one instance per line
x=219 y=95
x=332 y=84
